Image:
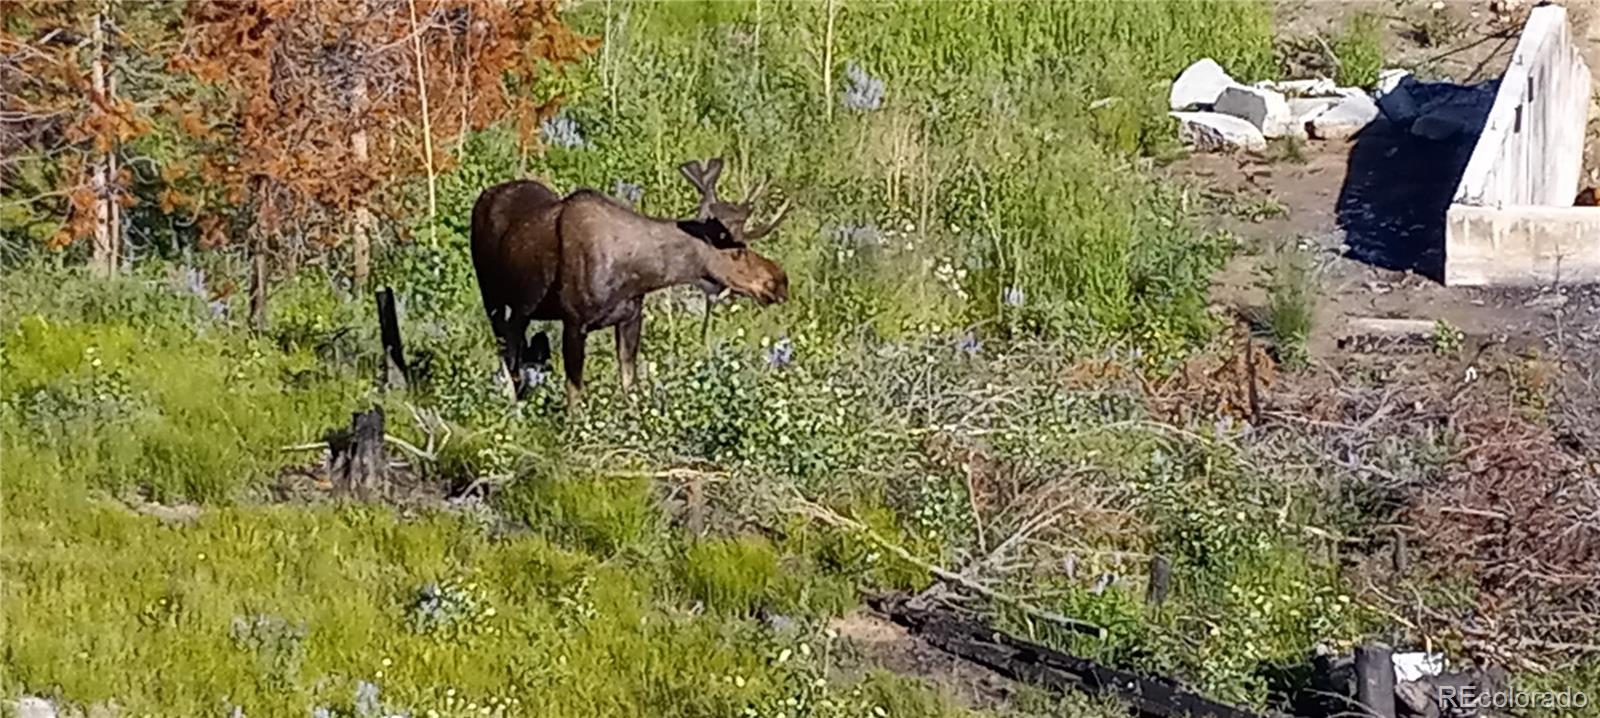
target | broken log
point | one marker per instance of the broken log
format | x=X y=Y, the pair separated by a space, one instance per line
x=1151 y=696
x=395 y=371
x=357 y=462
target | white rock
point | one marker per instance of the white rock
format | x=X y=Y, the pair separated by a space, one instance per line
x=1214 y=131
x=1345 y=119
x=34 y=707
x=1266 y=109
x=1199 y=85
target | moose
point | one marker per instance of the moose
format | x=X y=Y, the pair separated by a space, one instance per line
x=588 y=261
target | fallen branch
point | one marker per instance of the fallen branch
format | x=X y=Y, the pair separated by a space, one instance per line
x=828 y=516
x=1153 y=696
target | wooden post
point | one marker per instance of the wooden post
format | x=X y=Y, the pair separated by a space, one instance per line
x=1402 y=559
x=358 y=462
x=395 y=372
x=1160 y=580
x=1375 y=680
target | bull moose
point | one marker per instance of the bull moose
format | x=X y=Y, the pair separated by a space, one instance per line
x=588 y=261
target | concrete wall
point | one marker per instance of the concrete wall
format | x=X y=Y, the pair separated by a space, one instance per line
x=1522 y=246
x=1512 y=221
x=1531 y=149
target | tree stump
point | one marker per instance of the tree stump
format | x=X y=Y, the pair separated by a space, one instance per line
x=357 y=462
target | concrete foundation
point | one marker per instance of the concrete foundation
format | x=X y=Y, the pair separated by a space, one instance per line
x=1511 y=221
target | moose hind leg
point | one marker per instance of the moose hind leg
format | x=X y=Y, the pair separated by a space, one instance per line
x=574 y=338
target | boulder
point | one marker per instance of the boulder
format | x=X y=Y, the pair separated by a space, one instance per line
x=1345 y=119
x=1266 y=109
x=1214 y=131
x=1199 y=85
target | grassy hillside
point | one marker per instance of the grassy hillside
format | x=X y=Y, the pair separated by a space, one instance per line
x=974 y=222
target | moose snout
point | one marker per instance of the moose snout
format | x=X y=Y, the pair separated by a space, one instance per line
x=775 y=291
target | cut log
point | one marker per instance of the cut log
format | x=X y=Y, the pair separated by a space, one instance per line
x=1152 y=696
x=357 y=461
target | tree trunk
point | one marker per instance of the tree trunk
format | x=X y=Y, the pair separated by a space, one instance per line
x=102 y=259
x=361 y=241
x=258 y=280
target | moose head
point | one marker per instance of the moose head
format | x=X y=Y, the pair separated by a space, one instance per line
x=724 y=226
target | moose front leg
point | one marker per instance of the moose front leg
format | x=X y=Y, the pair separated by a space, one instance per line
x=627 y=335
x=574 y=340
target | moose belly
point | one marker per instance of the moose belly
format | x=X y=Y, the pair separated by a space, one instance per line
x=617 y=314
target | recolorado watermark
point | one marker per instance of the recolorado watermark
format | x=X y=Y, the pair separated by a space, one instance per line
x=1474 y=698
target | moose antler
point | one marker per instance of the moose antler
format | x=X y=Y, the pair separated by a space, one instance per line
x=704 y=180
x=764 y=230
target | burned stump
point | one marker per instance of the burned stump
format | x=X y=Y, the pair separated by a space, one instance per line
x=357 y=462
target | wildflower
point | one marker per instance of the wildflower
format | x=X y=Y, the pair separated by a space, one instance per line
x=781 y=354
x=969 y=344
x=628 y=192
x=366 y=702
x=863 y=92
x=562 y=131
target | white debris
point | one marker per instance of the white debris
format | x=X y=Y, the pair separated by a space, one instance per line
x=1345 y=119
x=35 y=707
x=1266 y=109
x=1214 y=131
x=1390 y=79
x=1319 y=87
x=1199 y=85
x=1416 y=666
x=1305 y=109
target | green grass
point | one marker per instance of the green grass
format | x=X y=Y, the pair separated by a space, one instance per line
x=1359 y=49
x=983 y=196
x=1291 y=304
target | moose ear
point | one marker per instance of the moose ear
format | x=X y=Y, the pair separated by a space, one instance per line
x=713 y=171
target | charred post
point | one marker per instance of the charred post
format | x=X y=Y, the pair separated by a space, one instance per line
x=358 y=464
x=1375 y=680
x=395 y=373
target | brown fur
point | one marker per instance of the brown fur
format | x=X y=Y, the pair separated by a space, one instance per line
x=588 y=262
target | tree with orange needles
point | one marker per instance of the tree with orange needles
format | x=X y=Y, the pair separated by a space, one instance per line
x=325 y=106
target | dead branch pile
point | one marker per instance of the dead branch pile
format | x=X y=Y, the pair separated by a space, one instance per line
x=1507 y=513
